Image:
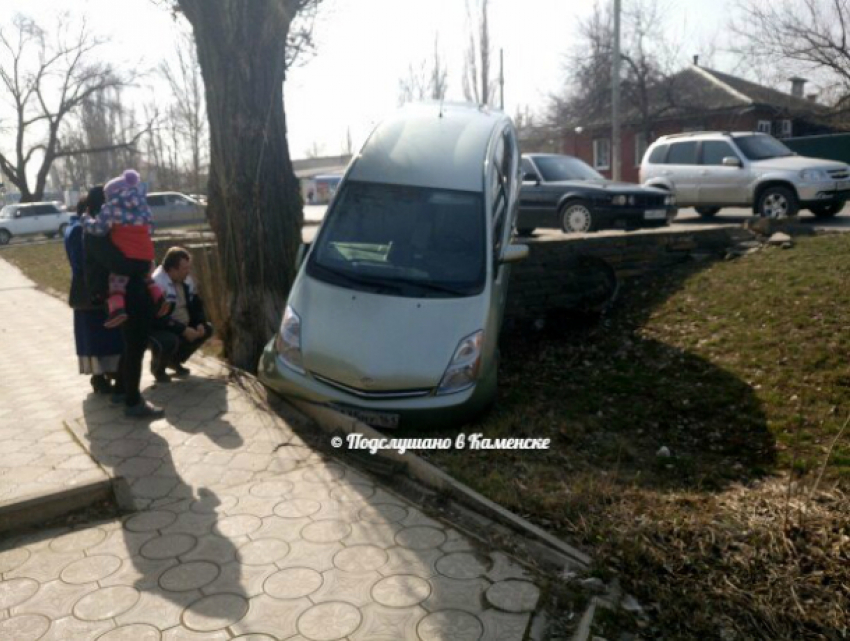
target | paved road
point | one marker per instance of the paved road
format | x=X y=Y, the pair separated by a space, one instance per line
x=244 y=529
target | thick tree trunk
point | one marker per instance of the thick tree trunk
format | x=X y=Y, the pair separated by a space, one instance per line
x=255 y=206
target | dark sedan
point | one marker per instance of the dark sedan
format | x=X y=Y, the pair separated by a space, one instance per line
x=565 y=193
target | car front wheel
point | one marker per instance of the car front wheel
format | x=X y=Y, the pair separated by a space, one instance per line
x=827 y=211
x=777 y=202
x=577 y=218
x=5 y=237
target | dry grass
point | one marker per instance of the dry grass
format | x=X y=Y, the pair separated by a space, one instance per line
x=741 y=369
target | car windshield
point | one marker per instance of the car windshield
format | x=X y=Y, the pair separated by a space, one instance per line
x=762 y=147
x=406 y=241
x=8 y=211
x=555 y=168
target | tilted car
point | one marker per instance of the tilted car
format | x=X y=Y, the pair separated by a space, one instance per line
x=174 y=208
x=710 y=170
x=395 y=312
x=563 y=192
x=30 y=219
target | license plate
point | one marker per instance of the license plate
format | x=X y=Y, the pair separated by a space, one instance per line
x=655 y=214
x=385 y=420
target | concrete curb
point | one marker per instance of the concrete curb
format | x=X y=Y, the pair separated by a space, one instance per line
x=18 y=514
x=432 y=477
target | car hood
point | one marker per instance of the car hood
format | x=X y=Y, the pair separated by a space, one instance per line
x=608 y=186
x=791 y=163
x=376 y=342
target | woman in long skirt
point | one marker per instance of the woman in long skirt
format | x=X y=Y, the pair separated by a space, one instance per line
x=98 y=348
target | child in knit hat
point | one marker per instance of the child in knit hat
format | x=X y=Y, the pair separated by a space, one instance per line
x=126 y=218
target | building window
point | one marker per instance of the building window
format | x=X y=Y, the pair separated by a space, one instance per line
x=641 y=144
x=763 y=126
x=601 y=153
x=786 y=129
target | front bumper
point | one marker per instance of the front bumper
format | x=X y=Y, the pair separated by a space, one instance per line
x=633 y=217
x=423 y=412
x=823 y=193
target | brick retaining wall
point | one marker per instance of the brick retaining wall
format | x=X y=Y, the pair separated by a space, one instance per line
x=555 y=277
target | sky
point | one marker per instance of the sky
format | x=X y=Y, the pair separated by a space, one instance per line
x=365 y=48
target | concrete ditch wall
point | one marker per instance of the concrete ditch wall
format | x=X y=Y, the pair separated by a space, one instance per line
x=564 y=273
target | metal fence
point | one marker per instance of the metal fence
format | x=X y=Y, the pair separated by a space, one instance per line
x=829 y=146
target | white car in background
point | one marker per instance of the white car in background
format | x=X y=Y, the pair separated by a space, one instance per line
x=173 y=208
x=31 y=219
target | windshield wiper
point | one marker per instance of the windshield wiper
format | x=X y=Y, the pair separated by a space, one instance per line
x=436 y=287
x=378 y=285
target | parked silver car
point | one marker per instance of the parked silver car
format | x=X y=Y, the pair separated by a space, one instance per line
x=711 y=170
x=30 y=219
x=174 y=208
x=395 y=313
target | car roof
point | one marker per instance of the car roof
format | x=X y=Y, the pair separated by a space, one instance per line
x=707 y=134
x=436 y=145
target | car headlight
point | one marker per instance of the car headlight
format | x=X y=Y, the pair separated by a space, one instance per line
x=669 y=200
x=814 y=175
x=463 y=369
x=288 y=341
x=618 y=200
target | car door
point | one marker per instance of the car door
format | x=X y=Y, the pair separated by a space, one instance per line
x=180 y=209
x=682 y=171
x=50 y=219
x=159 y=212
x=29 y=221
x=533 y=207
x=720 y=184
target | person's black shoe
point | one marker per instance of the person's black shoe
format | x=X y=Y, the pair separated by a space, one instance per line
x=180 y=371
x=144 y=410
x=100 y=384
x=162 y=377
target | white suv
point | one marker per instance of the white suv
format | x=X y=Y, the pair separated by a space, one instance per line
x=710 y=170
x=28 y=219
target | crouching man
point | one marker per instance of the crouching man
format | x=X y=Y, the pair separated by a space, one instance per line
x=179 y=334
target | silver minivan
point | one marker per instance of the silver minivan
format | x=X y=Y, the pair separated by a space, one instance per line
x=395 y=312
x=174 y=208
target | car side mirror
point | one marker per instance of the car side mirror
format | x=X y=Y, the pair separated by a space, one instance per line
x=17 y=214
x=514 y=254
x=731 y=161
x=303 y=248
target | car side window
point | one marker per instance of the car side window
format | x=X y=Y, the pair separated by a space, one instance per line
x=27 y=212
x=658 y=155
x=682 y=153
x=528 y=170
x=156 y=201
x=714 y=151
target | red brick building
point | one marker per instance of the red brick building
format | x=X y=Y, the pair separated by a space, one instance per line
x=704 y=100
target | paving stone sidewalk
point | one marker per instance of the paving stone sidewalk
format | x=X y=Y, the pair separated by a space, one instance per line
x=243 y=531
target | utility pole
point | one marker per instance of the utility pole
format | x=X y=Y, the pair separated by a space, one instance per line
x=502 y=79
x=615 y=97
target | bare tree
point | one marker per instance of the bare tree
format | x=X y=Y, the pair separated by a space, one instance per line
x=255 y=206
x=427 y=80
x=802 y=36
x=649 y=82
x=187 y=87
x=477 y=86
x=46 y=80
